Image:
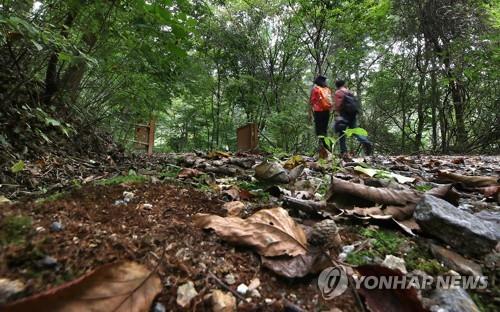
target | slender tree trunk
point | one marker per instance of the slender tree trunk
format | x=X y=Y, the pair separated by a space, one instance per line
x=434 y=103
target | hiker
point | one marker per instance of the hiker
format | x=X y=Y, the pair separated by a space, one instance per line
x=346 y=108
x=320 y=106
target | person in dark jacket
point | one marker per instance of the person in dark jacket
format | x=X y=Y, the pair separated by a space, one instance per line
x=320 y=106
x=345 y=120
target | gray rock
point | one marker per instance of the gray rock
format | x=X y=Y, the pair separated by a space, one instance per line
x=463 y=231
x=271 y=172
x=452 y=300
x=56 y=226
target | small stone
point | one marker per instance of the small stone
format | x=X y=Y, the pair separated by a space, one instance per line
x=185 y=293
x=56 y=226
x=230 y=279
x=8 y=288
x=293 y=296
x=255 y=293
x=348 y=249
x=254 y=284
x=128 y=196
x=393 y=262
x=268 y=301
x=119 y=202
x=40 y=229
x=48 y=262
x=159 y=307
x=223 y=302
x=242 y=289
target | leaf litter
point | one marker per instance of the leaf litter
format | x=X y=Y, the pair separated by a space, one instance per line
x=146 y=229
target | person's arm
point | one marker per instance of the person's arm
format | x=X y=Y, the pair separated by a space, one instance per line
x=313 y=98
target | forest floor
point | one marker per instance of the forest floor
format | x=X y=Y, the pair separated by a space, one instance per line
x=142 y=211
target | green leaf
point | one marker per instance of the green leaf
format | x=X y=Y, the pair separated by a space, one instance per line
x=17 y=167
x=355 y=131
x=52 y=122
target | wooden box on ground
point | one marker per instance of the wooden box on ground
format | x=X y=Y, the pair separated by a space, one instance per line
x=248 y=138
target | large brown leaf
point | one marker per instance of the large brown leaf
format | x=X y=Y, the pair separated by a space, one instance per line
x=351 y=194
x=125 y=286
x=292 y=267
x=388 y=300
x=271 y=231
x=476 y=181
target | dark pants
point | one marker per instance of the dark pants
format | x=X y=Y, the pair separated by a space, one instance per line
x=321 y=125
x=344 y=123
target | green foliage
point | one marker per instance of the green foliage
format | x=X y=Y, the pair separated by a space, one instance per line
x=355 y=131
x=128 y=179
x=424 y=187
x=420 y=258
x=13 y=229
x=17 y=167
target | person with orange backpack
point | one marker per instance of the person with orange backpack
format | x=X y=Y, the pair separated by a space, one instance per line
x=321 y=104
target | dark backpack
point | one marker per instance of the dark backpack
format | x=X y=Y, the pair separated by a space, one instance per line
x=350 y=104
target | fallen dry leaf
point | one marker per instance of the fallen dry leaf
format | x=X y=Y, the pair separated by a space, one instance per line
x=388 y=300
x=271 y=231
x=299 y=266
x=349 y=194
x=124 y=286
x=444 y=176
x=187 y=173
x=233 y=208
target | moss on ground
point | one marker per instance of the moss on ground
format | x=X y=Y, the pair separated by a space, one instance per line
x=13 y=229
x=122 y=179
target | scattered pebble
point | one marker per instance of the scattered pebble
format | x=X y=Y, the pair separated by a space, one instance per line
x=119 y=202
x=242 y=289
x=128 y=196
x=48 y=262
x=255 y=293
x=40 y=229
x=396 y=263
x=223 y=302
x=254 y=284
x=230 y=279
x=158 y=307
x=56 y=226
x=185 y=293
x=268 y=301
x=147 y=206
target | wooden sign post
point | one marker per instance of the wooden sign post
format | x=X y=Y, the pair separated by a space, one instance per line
x=248 y=138
x=145 y=136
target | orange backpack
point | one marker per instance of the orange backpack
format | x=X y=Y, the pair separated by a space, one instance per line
x=325 y=100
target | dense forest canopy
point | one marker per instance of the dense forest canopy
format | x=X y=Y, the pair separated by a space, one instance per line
x=426 y=72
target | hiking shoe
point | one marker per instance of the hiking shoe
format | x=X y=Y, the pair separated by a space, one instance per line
x=323 y=153
x=368 y=149
x=345 y=157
